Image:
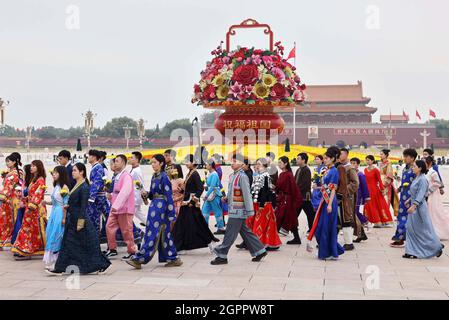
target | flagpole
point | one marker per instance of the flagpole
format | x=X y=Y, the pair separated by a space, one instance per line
x=294 y=108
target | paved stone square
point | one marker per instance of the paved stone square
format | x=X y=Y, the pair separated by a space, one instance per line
x=372 y=271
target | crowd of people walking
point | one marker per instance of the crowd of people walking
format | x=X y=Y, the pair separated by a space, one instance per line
x=261 y=206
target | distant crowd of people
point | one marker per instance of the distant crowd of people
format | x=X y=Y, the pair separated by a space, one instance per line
x=262 y=204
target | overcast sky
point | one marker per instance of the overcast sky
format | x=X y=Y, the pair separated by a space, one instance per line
x=140 y=58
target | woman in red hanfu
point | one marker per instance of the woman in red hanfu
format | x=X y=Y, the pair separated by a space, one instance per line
x=263 y=222
x=31 y=238
x=10 y=199
x=288 y=198
x=377 y=209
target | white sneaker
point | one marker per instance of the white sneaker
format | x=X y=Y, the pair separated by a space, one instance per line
x=283 y=232
x=211 y=248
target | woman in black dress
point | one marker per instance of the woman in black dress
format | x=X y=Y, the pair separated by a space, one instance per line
x=191 y=230
x=80 y=250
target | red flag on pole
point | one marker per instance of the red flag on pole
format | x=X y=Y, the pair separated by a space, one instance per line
x=418 y=115
x=404 y=114
x=432 y=113
x=292 y=53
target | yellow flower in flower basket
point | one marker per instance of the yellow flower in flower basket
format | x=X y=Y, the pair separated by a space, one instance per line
x=269 y=80
x=405 y=184
x=32 y=206
x=218 y=81
x=261 y=91
x=222 y=92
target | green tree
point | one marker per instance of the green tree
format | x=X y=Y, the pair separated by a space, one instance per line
x=442 y=127
x=169 y=127
x=114 y=127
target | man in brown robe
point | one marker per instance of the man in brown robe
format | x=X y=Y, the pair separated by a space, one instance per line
x=347 y=195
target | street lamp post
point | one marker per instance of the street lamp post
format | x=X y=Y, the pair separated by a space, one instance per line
x=141 y=132
x=389 y=133
x=196 y=123
x=3 y=105
x=88 y=125
x=29 y=130
x=425 y=135
x=127 y=135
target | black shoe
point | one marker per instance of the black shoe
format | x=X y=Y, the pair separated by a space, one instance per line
x=242 y=245
x=294 y=241
x=143 y=225
x=260 y=257
x=219 y=261
x=111 y=253
x=271 y=248
x=127 y=257
x=53 y=273
x=440 y=253
x=214 y=239
x=220 y=232
x=360 y=239
x=348 y=247
x=21 y=258
x=409 y=256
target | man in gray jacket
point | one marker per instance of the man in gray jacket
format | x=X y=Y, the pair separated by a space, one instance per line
x=241 y=207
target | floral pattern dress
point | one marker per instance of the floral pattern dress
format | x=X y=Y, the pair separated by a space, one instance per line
x=9 y=200
x=161 y=215
x=31 y=239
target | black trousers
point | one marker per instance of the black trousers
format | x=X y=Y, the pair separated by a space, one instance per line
x=307 y=207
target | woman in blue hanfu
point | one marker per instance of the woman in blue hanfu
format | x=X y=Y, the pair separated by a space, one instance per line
x=422 y=240
x=161 y=216
x=325 y=225
x=56 y=222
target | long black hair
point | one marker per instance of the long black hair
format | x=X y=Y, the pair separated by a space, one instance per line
x=333 y=153
x=28 y=174
x=286 y=160
x=15 y=157
x=63 y=178
x=82 y=168
x=371 y=157
x=386 y=152
x=161 y=159
x=211 y=162
x=422 y=164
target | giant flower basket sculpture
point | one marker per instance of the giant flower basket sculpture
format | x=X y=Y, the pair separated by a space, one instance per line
x=248 y=83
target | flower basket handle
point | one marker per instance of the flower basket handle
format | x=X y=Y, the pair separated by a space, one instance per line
x=248 y=23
